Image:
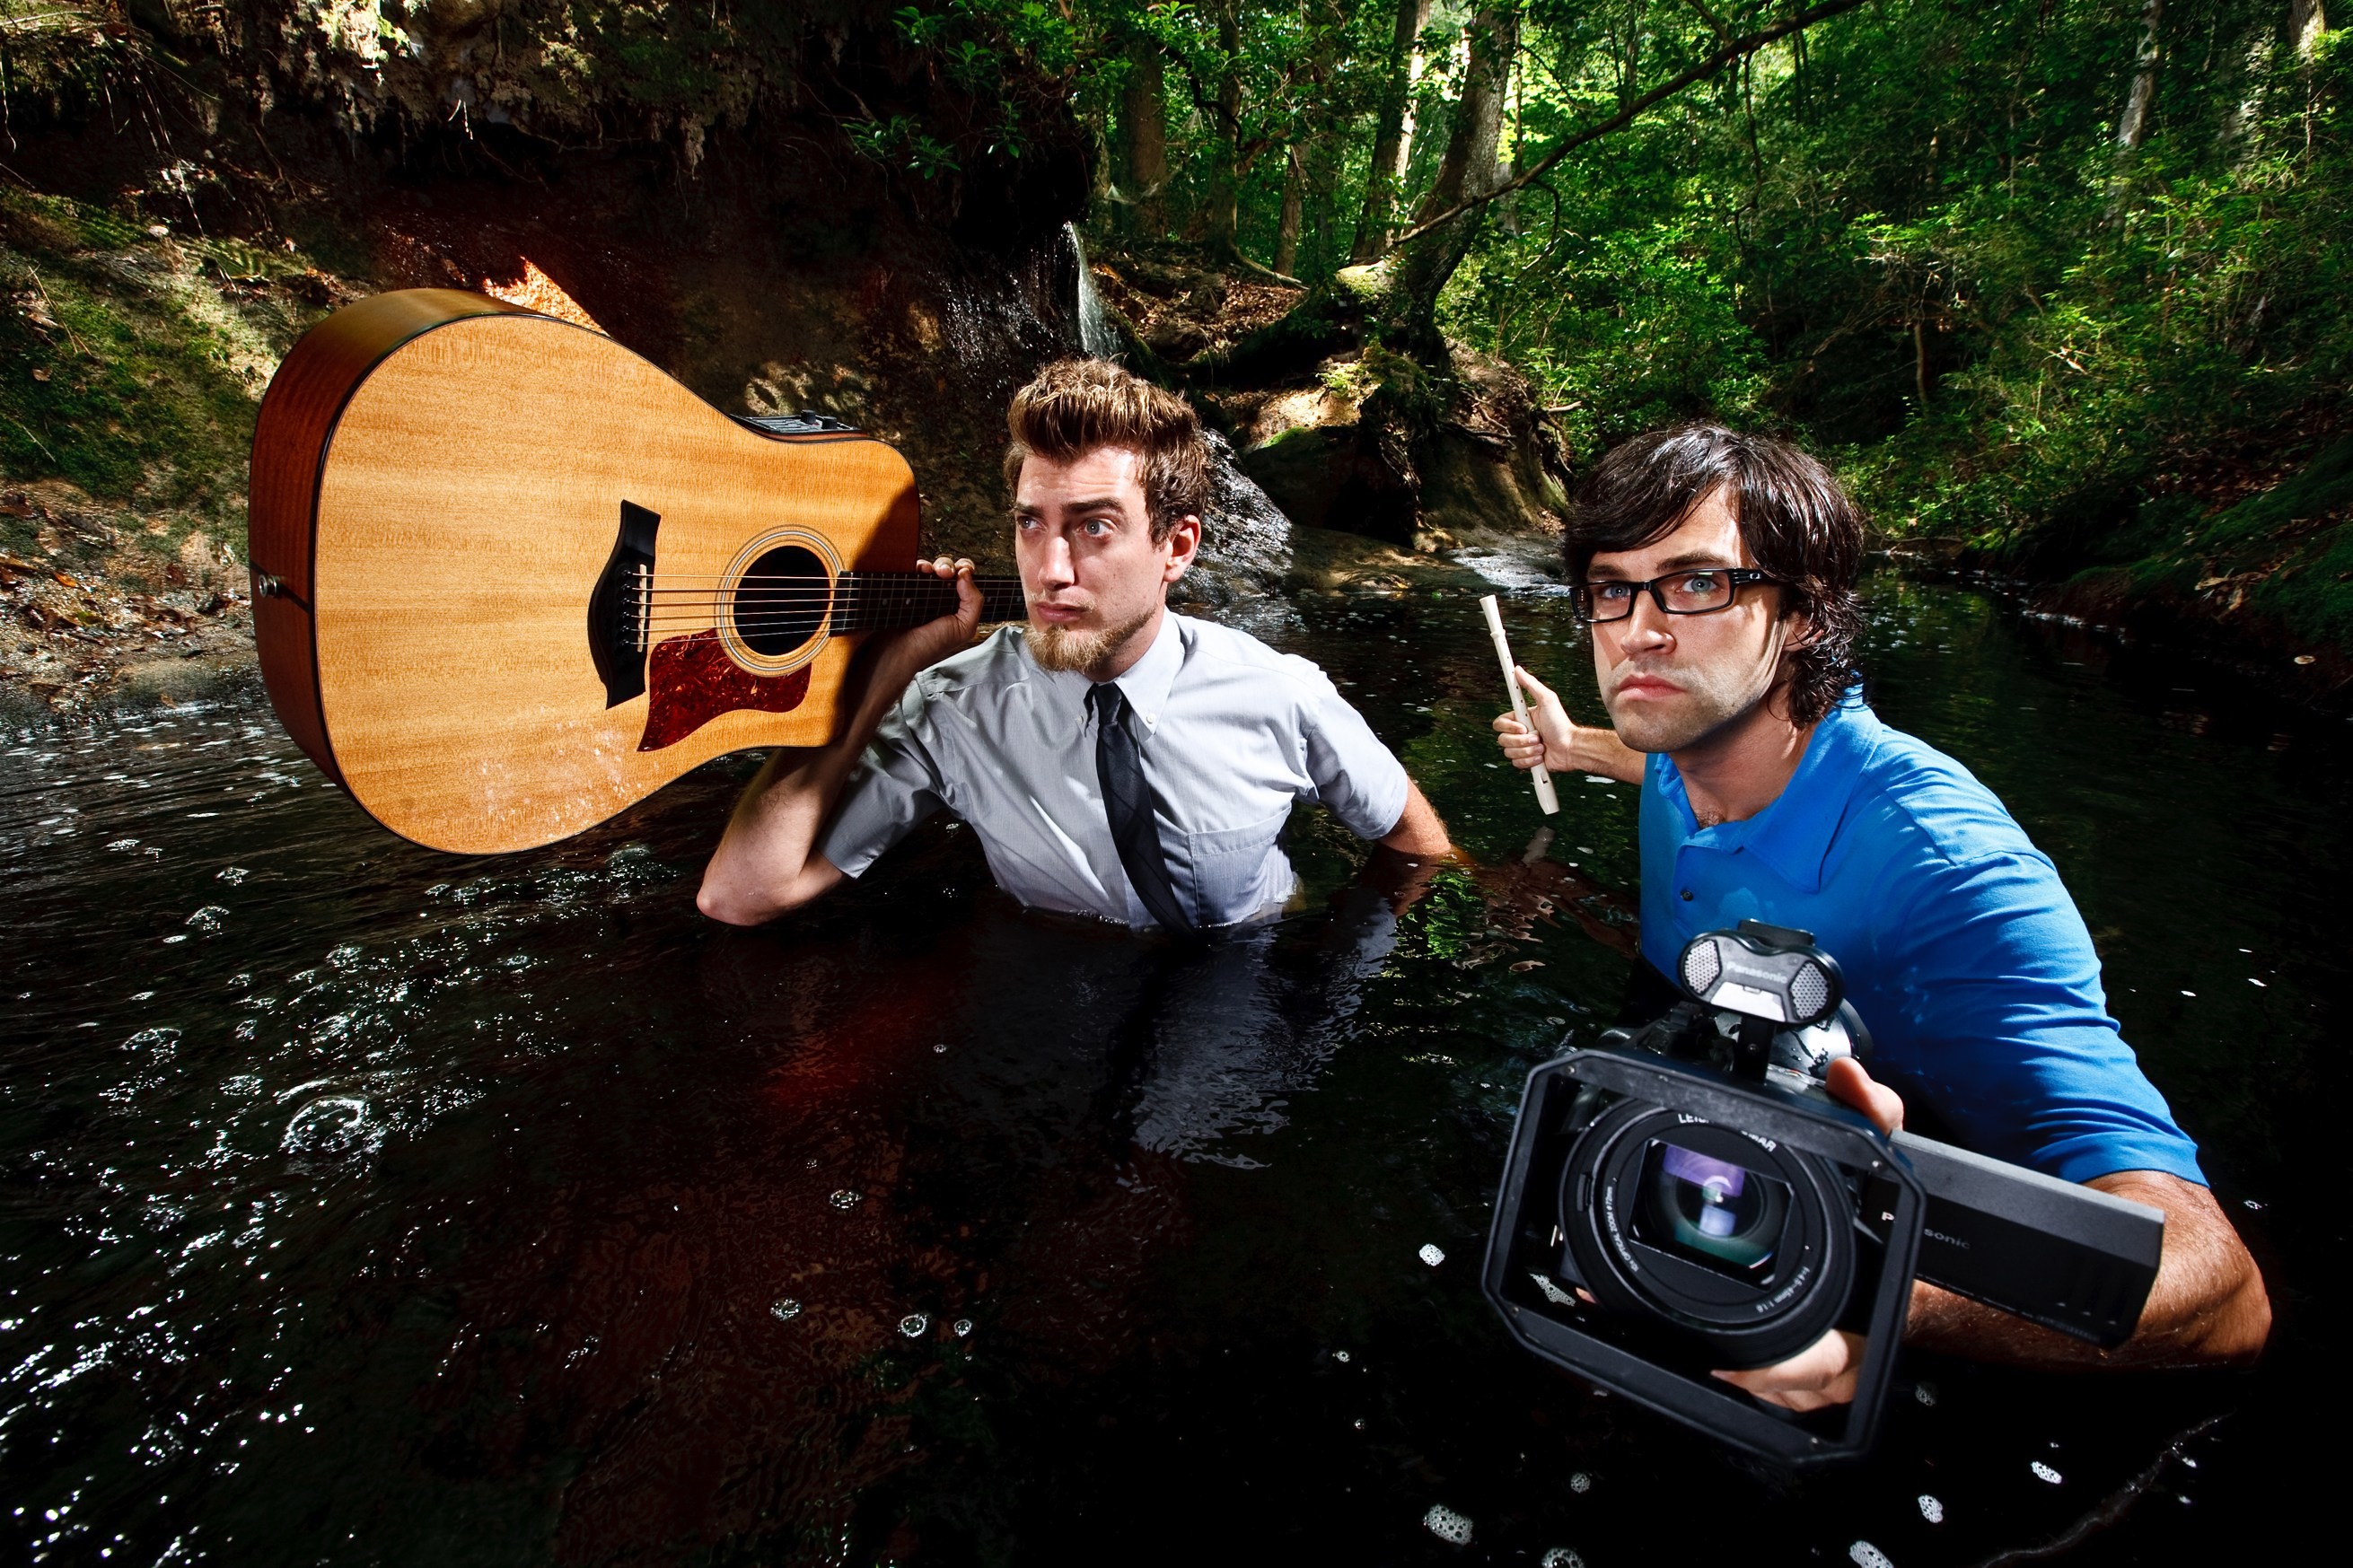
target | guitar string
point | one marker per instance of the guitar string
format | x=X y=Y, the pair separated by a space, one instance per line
x=813 y=608
x=806 y=632
x=804 y=629
x=848 y=579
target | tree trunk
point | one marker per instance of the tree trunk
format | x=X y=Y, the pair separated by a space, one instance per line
x=1324 y=235
x=1390 y=140
x=1467 y=171
x=1144 y=107
x=1294 y=195
x=2307 y=20
x=2132 y=128
x=1225 y=172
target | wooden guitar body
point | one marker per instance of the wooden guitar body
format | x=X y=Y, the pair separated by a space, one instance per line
x=511 y=578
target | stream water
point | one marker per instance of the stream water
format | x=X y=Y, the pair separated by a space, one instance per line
x=368 y=1204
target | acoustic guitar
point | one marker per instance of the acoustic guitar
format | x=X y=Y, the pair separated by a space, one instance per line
x=510 y=578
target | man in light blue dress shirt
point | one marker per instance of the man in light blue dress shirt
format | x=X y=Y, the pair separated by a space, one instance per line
x=1114 y=758
x=1717 y=572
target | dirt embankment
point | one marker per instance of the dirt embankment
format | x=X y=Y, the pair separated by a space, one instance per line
x=94 y=617
x=2243 y=555
x=1362 y=439
x=766 y=243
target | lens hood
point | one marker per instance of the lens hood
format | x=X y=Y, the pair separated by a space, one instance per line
x=1658 y=1223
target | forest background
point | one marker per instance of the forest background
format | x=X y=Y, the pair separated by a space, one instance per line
x=2056 y=284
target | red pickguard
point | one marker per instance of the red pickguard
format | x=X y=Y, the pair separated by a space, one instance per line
x=690 y=681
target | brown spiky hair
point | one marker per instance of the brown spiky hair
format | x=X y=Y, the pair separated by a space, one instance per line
x=1078 y=405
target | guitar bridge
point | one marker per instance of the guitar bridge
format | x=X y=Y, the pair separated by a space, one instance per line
x=621 y=608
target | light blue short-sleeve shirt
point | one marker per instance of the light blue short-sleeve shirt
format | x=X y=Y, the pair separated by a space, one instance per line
x=1960 y=947
x=1233 y=734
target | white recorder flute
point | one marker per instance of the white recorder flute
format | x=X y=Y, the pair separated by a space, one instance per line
x=1543 y=779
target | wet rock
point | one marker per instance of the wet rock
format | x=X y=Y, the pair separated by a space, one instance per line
x=1245 y=541
x=1339 y=452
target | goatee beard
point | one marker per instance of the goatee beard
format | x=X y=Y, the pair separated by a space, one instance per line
x=1058 y=647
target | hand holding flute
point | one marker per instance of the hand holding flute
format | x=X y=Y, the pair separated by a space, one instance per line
x=1511 y=677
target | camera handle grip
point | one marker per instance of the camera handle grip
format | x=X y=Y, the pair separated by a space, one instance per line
x=2070 y=1257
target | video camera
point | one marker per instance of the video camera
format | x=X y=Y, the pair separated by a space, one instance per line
x=1688 y=1198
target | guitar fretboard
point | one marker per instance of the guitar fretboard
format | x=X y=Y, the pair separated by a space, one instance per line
x=875 y=601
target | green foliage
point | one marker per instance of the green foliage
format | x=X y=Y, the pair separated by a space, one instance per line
x=2191 y=300
x=134 y=363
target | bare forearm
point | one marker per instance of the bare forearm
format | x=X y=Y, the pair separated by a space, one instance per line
x=1420 y=831
x=765 y=863
x=2207 y=1305
x=1593 y=749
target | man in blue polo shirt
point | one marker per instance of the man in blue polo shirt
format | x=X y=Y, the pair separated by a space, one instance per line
x=1717 y=570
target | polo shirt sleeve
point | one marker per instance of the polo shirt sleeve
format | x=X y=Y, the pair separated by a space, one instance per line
x=895 y=786
x=2011 y=1041
x=1356 y=778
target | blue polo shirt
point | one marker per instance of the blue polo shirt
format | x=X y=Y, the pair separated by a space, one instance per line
x=1960 y=946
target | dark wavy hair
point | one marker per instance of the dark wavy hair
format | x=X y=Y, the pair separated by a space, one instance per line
x=1796 y=518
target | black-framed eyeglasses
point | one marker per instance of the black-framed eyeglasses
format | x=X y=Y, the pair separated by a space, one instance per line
x=1693 y=591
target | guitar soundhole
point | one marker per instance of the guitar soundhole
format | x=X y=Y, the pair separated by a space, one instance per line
x=781 y=602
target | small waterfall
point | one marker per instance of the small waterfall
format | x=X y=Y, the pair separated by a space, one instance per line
x=1096 y=335
x=1246 y=539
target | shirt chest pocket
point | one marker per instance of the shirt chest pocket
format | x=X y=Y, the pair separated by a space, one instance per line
x=1225 y=867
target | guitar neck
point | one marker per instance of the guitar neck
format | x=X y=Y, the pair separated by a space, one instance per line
x=876 y=601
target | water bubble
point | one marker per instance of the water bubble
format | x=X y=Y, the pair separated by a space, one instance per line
x=142 y=995
x=1431 y=1254
x=1931 y=1509
x=845 y=1199
x=245 y=1028
x=334 y=1124
x=961 y=1328
x=207 y=919
x=940 y=1050
x=232 y=875
x=176 y=936
x=1340 y=1356
x=1864 y=1555
x=345 y=956
x=914 y=1324
x=1560 y=1557
x=786 y=1310
x=1447 y=1525
x=121 y=845
x=1925 y=1394
x=1581 y=1482
x=2043 y=1472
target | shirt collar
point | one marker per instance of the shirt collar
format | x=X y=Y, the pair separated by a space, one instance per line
x=1146 y=682
x=1793 y=835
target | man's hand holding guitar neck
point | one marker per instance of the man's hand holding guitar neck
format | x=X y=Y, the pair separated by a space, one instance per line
x=765 y=865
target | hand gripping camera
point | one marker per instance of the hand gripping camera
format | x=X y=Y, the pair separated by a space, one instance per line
x=1688 y=1198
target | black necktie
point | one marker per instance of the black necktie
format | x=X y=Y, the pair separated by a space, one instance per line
x=1127 y=802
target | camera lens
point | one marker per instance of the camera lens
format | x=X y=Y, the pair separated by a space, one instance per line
x=1742 y=1242
x=1722 y=1215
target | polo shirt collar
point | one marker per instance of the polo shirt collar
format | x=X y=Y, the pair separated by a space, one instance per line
x=1793 y=835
